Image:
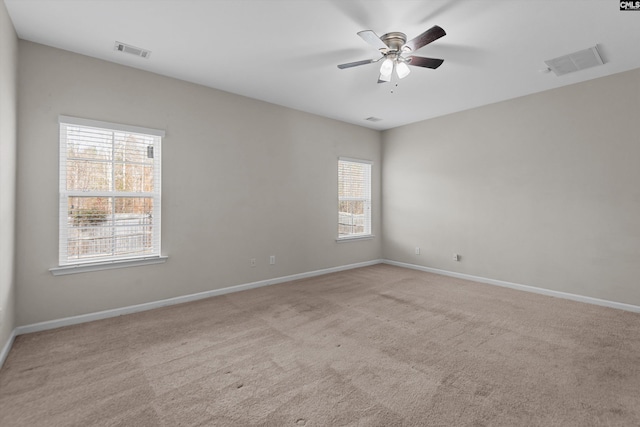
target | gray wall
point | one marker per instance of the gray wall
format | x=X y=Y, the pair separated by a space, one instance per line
x=542 y=190
x=8 y=143
x=241 y=179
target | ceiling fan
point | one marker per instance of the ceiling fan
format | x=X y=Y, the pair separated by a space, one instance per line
x=393 y=46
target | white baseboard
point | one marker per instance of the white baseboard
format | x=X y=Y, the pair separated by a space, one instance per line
x=89 y=317
x=7 y=346
x=548 y=292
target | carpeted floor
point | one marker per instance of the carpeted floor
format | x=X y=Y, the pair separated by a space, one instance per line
x=375 y=346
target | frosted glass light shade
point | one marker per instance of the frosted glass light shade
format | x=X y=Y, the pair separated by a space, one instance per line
x=384 y=78
x=402 y=69
x=386 y=68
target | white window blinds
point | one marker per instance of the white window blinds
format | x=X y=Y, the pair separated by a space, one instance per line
x=354 y=198
x=109 y=191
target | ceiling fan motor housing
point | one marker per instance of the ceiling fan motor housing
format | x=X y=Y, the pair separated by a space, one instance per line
x=394 y=41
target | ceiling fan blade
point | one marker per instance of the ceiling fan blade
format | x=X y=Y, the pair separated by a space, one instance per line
x=356 y=63
x=373 y=39
x=433 y=33
x=421 y=61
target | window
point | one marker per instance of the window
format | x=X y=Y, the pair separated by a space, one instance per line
x=354 y=198
x=109 y=192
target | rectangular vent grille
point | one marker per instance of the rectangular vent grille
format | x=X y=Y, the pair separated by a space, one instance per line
x=126 y=48
x=575 y=61
x=373 y=119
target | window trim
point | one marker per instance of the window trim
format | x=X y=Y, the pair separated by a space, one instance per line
x=357 y=237
x=80 y=266
x=107 y=265
x=78 y=121
x=363 y=236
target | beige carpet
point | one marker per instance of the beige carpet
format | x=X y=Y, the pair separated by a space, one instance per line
x=376 y=346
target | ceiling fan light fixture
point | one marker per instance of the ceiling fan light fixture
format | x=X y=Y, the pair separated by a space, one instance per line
x=392 y=46
x=386 y=68
x=384 y=79
x=402 y=69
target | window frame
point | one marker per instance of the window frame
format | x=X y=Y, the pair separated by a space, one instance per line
x=368 y=232
x=68 y=265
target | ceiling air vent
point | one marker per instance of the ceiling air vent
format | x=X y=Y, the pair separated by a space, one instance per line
x=373 y=119
x=575 y=61
x=126 y=48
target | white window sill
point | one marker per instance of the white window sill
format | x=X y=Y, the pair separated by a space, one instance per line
x=106 y=265
x=354 y=238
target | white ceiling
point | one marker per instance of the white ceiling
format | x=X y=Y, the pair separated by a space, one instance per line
x=286 y=51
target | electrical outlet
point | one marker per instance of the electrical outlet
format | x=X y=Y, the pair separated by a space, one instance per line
x=252 y=262
x=417 y=250
x=456 y=257
x=272 y=259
